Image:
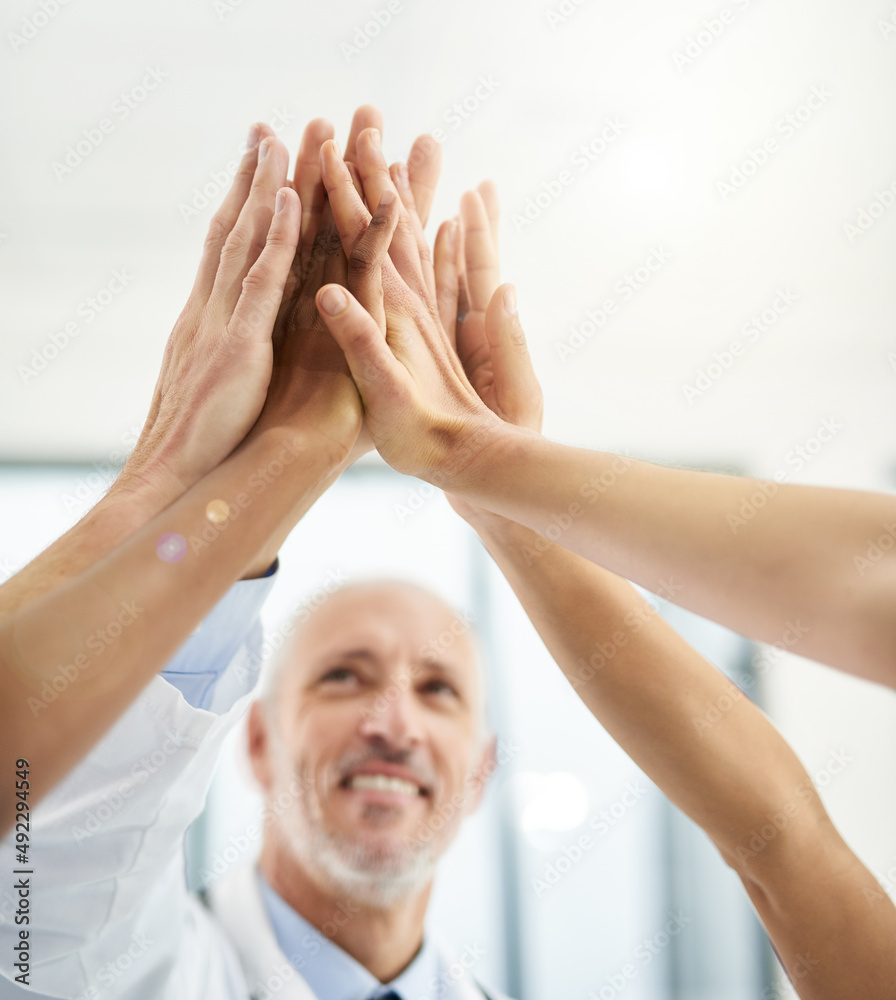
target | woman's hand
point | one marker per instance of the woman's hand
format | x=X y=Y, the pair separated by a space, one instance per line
x=483 y=315
x=422 y=412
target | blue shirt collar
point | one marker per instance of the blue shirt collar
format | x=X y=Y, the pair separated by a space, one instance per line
x=331 y=972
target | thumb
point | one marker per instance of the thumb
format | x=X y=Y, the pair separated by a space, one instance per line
x=369 y=357
x=517 y=391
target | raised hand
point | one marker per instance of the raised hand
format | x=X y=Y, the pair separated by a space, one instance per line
x=489 y=339
x=423 y=414
x=311 y=389
x=217 y=364
x=420 y=177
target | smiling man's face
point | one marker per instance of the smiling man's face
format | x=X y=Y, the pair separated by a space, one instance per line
x=378 y=729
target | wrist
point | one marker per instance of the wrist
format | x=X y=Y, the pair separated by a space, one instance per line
x=147 y=486
x=480 y=462
x=309 y=452
x=134 y=498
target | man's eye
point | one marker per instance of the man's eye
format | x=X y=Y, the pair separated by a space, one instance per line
x=439 y=688
x=339 y=675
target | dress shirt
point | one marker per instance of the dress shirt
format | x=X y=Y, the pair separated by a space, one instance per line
x=332 y=973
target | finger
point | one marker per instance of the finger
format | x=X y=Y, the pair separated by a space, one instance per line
x=400 y=178
x=463 y=299
x=327 y=248
x=365 y=263
x=480 y=254
x=488 y=191
x=223 y=221
x=255 y=311
x=367 y=116
x=376 y=179
x=446 y=277
x=306 y=180
x=349 y=211
x=517 y=391
x=375 y=371
x=248 y=237
x=356 y=178
x=424 y=168
x=335 y=266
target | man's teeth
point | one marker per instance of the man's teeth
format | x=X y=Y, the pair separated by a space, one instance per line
x=384 y=783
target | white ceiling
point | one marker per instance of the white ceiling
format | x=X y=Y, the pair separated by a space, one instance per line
x=829 y=356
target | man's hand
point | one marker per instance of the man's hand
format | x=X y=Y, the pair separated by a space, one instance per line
x=217 y=363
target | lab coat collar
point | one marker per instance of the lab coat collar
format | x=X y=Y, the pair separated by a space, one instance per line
x=237 y=903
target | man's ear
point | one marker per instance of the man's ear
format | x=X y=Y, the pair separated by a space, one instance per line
x=478 y=779
x=259 y=743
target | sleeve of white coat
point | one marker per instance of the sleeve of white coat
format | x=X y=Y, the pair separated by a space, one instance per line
x=220 y=661
x=110 y=914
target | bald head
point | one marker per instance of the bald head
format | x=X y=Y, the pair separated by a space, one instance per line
x=373 y=729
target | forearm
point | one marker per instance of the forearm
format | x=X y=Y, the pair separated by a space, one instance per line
x=73 y=660
x=124 y=509
x=131 y=503
x=715 y=755
x=652 y=692
x=783 y=564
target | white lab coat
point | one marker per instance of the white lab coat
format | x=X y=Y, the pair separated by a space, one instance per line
x=111 y=915
x=239 y=909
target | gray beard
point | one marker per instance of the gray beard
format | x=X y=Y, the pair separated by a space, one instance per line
x=365 y=874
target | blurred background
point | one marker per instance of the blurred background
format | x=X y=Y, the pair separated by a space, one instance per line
x=672 y=183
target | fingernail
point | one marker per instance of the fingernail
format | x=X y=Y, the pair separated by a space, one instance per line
x=403 y=174
x=336 y=148
x=281 y=201
x=376 y=138
x=451 y=237
x=265 y=148
x=252 y=140
x=510 y=300
x=333 y=300
x=387 y=197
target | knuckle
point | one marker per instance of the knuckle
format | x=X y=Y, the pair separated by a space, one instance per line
x=242 y=244
x=236 y=244
x=256 y=281
x=279 y=238
x=246 y=169
x=327 y=242
x=361 y=260
x=217 y=234
x=425 y=253
x=242 y=179
x=379 y=224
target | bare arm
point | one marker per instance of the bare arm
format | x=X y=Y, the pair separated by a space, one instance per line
x=687 y=726
x=796 y=574
x=74 y=657
x=201 y=412
x=767 y=560
x=211 y=388
x=734 y=775
x=831 y=924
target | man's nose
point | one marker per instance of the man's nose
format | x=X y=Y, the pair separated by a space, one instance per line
x=393 y=716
